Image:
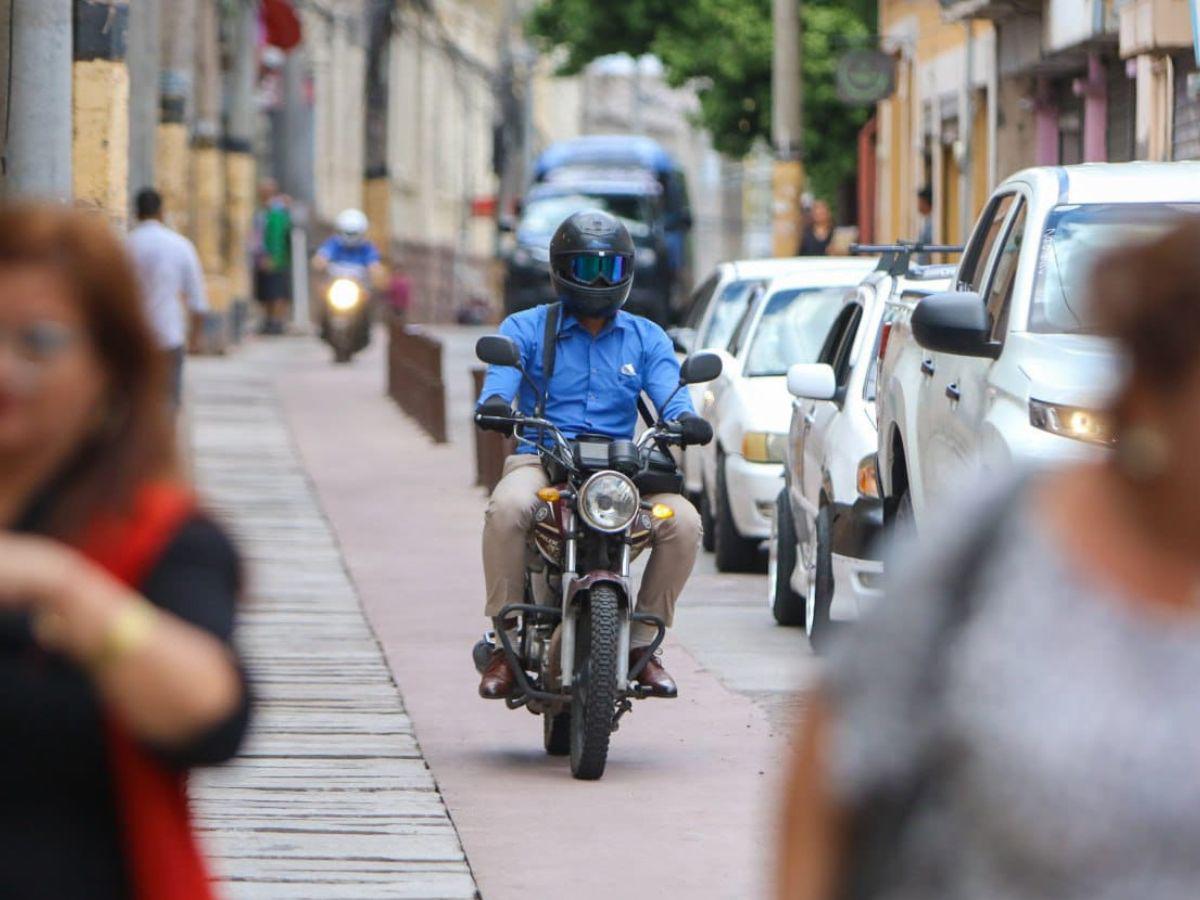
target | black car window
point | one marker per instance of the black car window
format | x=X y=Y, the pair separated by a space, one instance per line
x=841 y=359
x=974 y=266
x=999 y=295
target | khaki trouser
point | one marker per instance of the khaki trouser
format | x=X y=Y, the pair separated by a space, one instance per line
x=509 y=518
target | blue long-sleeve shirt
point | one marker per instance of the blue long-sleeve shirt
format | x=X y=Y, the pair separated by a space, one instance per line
x=596 y=379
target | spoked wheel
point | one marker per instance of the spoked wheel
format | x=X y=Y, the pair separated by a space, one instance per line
x=594 y=685
x=556 y=733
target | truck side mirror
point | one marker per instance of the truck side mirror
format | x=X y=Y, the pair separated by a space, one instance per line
x=954 y=322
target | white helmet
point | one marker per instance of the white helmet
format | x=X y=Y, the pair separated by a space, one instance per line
x=351 y=224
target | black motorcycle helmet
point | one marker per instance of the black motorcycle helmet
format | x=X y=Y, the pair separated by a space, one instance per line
x=591 y=264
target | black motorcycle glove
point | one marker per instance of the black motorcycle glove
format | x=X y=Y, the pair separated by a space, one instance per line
x=694 y=430
x=495 y=405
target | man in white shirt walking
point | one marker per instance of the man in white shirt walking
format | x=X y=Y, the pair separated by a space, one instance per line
x=170 y=273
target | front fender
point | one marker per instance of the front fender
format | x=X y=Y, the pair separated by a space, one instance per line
x=586 y=582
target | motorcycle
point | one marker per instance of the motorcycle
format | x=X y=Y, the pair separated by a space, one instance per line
x=346 y=319
x=570 y=649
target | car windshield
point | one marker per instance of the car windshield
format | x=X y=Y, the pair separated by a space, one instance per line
x=1075 y=237
x=543 y=216
x=727 y=310
x=792 y=329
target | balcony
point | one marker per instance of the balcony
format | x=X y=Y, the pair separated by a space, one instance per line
x=1149 y=25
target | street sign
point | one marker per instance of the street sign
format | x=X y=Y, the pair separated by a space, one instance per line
x=867 y=76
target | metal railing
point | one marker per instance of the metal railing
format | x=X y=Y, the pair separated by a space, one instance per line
x=415 y=377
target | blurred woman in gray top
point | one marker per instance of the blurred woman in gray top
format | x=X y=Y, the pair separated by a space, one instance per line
x=1020 y=717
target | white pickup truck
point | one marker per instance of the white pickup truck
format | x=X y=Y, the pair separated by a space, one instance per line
x=1002 y=369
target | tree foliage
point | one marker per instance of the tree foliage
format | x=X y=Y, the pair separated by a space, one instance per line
x=724 y=48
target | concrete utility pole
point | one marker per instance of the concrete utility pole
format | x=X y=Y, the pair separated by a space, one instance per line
x=172 y=165
x=144 y=38
x=294 y=139
x=100 y=82
x=239 y=150
x=787 y=128
x=208 y=175
x=37 y=139
x=377 y=190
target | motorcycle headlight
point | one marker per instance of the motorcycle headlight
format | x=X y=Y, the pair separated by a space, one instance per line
x=1087 y=425
x=608 y=502
x=764 y=447
x=344 y=294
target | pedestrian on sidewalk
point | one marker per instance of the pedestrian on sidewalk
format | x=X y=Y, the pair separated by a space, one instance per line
x=117 y=592
x=1018 y=717
x=273 y=257
x=818 y=231
x=172 y=281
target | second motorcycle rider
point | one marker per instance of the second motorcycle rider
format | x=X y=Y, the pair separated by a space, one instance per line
x=602 y=360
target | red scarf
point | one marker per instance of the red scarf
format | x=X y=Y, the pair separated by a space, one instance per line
x=162 y=857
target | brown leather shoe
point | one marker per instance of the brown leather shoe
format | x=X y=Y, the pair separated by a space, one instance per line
x=654 y=678
x=498 y=678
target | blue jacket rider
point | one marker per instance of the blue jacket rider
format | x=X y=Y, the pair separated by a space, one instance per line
x=604 y=359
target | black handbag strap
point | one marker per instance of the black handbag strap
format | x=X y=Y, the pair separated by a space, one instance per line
x=549 y=350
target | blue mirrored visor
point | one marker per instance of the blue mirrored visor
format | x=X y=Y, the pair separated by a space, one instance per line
x=589 y=269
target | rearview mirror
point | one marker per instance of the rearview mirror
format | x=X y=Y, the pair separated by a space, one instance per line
x=699 y=368
x=683 y=338
x=497 y=350
x=812 y=381
x=954 y=322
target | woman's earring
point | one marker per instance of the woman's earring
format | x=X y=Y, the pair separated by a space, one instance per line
x=1143 y=452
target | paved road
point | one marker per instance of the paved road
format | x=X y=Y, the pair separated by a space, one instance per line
x=687 y=805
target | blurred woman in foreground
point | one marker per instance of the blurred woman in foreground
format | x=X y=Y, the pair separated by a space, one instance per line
x=1020 y=717
x=116 y=595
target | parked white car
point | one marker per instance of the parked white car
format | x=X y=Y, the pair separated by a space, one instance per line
x=1003 y=369
x=824 y=561
x=742 y=469
x=714 y=312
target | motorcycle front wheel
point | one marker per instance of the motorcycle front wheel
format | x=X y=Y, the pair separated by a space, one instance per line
x=594 y=685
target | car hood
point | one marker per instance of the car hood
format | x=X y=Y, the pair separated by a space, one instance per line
x=764 y=402
x=1078 y=369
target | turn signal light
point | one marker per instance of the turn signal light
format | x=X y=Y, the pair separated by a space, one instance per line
x=661 y=511
x=549 y=494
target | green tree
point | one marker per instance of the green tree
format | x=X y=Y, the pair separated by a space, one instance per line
x=724 y=48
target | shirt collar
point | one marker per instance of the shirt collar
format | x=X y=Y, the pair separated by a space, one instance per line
x=569 y=323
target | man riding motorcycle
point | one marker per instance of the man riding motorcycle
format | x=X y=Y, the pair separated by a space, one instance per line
x=350 y=247
x=603 y=359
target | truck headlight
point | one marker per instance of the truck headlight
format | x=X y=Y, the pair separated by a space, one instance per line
x=1087 y=425
x=608 y=502
x=645 y=257
x=521 y=257
x=764 y=447
x=344 y=294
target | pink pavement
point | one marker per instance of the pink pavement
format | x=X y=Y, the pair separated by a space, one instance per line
x=686 y=807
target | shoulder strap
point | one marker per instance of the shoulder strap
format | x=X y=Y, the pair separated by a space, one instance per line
x=549 y=349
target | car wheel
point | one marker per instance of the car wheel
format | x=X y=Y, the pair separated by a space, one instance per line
x=904 y=521
x=787 y=606
x=817 y=622
x=734 y=552
x=707 y=524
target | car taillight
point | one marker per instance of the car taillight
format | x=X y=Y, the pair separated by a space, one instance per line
x=885 y=332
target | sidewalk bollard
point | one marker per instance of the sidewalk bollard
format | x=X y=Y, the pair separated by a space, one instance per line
x=491 y=448
x=415 y=377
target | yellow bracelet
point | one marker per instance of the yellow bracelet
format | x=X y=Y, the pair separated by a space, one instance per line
x=126 y=633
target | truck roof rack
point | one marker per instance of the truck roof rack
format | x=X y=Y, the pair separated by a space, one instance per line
x=896 y=259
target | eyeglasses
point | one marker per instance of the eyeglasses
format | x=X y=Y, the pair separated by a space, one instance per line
x=39 y=342
x=587 y=269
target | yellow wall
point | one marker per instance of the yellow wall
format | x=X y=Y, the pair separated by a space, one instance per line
x=931 y=57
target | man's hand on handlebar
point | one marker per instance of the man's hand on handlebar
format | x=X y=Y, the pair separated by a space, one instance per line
x=692 y=429
x=495 y=414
